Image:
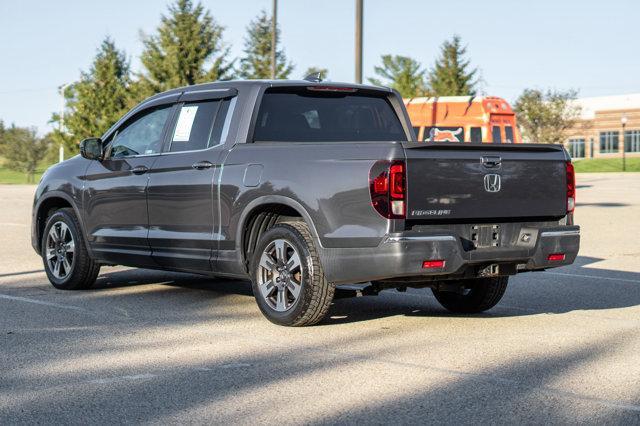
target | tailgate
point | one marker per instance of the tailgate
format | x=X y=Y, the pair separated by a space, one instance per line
x=463 y=181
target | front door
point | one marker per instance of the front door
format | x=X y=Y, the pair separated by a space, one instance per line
x=115 y=196
x=183 y=192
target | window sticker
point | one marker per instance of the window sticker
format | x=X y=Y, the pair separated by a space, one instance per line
x=185 y=123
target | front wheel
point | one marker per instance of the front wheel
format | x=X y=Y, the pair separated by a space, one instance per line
x=66 y=260
x=288 y=281
x=474 y=295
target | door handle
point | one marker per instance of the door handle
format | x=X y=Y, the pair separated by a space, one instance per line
x=201 y=165
x=491 y=161
x=139 y=170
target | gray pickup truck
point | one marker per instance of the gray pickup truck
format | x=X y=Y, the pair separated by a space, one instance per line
x=301 y=187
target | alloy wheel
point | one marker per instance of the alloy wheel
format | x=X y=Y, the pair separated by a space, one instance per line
x=60 y=250
x=280 y=275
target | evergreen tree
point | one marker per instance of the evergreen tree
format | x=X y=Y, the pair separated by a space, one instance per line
x=403 y=74
x=187 y=49
x=256 y=62
x=451 y=75
x=23 y=150
x=96 y=101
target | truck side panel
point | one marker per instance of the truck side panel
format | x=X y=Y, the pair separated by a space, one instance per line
x=329 y=181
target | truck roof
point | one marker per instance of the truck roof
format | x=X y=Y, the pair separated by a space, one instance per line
x=266 y=83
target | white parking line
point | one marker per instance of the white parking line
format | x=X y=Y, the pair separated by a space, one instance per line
x=13 y=224
x=41 y=302
x=595 y=277
x=123 y=378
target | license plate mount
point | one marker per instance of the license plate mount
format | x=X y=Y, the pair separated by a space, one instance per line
x=484 y=236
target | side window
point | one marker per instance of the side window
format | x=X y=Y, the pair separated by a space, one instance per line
x=495 y=132
x=508 y=134
x=142 y=136
x=200 y=125
x=476 y=135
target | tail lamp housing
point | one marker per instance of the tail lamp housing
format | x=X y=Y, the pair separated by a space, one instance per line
x=388 y=188
x=571 y=188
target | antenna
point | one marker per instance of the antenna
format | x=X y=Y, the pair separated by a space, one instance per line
x=314 y=77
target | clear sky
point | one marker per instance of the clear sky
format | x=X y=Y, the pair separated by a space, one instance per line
x=587 y=45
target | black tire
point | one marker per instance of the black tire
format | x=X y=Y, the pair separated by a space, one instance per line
x=479 y=295
x=315 y=295
x=83 y=270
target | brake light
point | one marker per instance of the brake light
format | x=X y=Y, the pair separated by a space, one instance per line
x=556 y=257
x=332 y=89
x=433 y=264
x=571 y=188
x=387 y=185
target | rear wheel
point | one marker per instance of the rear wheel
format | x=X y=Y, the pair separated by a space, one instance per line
x=475 y=295
x=66 y=260
x=288 y=281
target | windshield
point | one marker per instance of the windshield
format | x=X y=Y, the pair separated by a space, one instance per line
x=302 y=115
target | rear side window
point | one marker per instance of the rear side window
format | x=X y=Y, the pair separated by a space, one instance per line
x=495 y=132
x=508 y=134
x=199 y=125
x=302 y=115
x=475 y=135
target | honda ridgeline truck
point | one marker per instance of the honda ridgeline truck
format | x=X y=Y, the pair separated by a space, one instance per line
x=301 y=186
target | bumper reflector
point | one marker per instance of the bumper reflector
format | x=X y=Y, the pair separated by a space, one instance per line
x=555 y=257
x=432 y=264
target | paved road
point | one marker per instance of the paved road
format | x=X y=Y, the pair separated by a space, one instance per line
x=154 y=347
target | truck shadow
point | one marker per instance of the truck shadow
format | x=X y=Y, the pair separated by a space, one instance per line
x=573 y=288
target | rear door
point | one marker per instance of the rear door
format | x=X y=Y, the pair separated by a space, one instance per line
x=182 y=194
x=482 y=182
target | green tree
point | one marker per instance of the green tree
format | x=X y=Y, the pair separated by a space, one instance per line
x=23 y=150
x=315 y=70
x=96 y=101
x=402 y=73
x=187 y=49
x=451 y=74
x=545 y=117
x=256 y=62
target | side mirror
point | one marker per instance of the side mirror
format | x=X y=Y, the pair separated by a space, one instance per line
x=91 y=149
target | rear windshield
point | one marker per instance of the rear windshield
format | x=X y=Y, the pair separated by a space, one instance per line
x=302 y=115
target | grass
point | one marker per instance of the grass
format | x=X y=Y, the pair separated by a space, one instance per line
x=593 y=165
x=8 y=176
x=12 y=177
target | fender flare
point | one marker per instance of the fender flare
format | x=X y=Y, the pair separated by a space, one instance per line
x=274 y=199
x=69 y=199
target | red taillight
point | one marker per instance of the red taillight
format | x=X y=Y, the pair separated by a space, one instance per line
x=432 y=264
x=571 y=188
x=555 y=257
x=387 y=185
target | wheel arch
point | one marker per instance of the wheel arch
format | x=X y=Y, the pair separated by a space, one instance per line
x=53 y=200
x=273 y=208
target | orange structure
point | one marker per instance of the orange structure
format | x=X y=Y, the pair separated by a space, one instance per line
x=473 y=119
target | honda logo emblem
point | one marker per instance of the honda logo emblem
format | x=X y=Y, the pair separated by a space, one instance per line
x=492 y=183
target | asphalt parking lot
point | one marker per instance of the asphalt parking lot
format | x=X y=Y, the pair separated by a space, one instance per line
x=563 y=346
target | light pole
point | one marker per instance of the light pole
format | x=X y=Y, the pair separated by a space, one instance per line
x=274 y=32
x=359 y=7
x=623 y=120
x=61 y=149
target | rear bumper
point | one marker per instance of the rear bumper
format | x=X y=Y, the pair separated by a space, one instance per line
x=401 y=255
